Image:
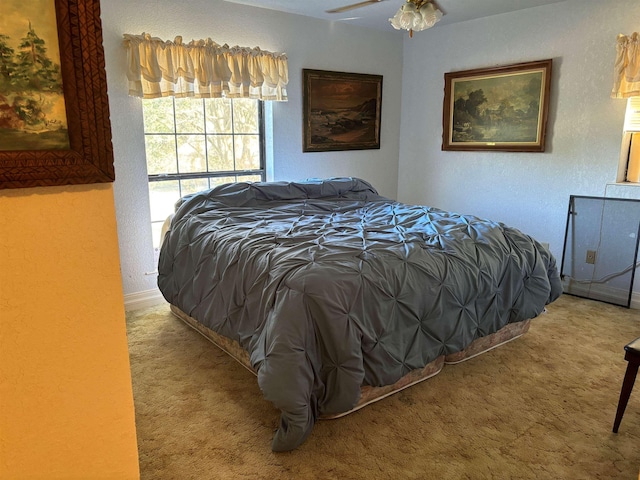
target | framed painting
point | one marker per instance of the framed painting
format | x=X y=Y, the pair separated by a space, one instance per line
x=341 y=111
x=54 y=111
x=502 y=108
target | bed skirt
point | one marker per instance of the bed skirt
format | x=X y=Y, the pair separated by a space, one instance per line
x=371 y=394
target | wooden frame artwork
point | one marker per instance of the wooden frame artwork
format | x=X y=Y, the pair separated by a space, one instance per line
x=502 y=108
x=342 y=111
x=54 y=118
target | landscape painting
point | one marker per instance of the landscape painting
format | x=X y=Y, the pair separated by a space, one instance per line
x=342 y=111
x=503 y=108
x=32 y=105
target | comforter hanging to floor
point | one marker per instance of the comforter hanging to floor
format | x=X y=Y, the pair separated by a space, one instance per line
x=330 y=286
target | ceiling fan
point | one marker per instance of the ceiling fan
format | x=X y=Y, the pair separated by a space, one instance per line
x=353 y=6
x=413 y=15
x=417 y=3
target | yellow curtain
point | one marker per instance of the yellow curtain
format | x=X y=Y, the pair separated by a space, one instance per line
x=626 y=71
x=203 y=69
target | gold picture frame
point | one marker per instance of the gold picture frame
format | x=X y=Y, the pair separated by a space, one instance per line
x=88 y=157
x=497 y=109
x=342 y=111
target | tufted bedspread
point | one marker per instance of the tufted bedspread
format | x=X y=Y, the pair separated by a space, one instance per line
x=329 y=286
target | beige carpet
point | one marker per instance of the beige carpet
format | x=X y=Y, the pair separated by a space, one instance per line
x=540 y=407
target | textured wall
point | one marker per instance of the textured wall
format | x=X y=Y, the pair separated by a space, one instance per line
x=309 y=43
x=528 y=190
x=66 y=404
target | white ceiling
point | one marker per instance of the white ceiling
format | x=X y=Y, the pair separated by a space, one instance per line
x=377 y=15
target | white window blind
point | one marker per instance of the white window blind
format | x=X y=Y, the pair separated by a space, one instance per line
x=632 y=127
x=632 y=116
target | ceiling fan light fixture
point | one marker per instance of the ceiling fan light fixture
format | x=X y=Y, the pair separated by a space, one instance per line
x=416 y=15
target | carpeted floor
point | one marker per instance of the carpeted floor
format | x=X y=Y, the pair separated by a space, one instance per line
x=540 y=407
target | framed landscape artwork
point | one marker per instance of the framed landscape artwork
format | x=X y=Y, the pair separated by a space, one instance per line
x=341 y=111
x=54 y=113
x=502 y=108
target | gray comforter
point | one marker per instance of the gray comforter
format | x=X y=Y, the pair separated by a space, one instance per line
x=330 y=286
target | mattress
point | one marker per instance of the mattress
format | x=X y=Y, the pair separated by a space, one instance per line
x=370 y=394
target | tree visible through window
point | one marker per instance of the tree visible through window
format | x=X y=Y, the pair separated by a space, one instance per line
x=195 y=144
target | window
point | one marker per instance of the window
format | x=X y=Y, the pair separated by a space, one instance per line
x=195 y=144
x=631 y=141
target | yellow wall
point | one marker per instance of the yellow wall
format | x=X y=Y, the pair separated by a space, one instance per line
x=66 y=403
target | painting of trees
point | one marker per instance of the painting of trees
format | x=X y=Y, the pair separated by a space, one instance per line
x=499 y=108
x=7 y=64
x=34 y=69
x=32 y=109
x=54 y=108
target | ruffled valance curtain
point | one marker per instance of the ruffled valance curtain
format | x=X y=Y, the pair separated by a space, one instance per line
x=626 y=71
x=203 y=69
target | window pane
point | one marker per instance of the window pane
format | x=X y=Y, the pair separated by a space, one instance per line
x=247 y=152
x=215 y=181
x=220 y=152
x=163 y=197
x=161 y=154
x=245 y=115
x=194 y=185
x=249 y=178
x=158 y=115
x=218 y=115
x=191 y=154
x=186 y=136
x=156 y=230
x=189 y=115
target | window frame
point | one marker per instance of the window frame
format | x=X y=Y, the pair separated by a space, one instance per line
x=217 y=174
x=179 y=177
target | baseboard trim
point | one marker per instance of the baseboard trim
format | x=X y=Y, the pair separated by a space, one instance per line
x=635 y=300
x=604 y=293
x=144 y=299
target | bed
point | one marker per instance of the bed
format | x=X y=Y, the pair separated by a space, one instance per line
x=335 y=296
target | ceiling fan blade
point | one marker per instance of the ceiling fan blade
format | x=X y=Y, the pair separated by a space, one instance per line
x=352 y=6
